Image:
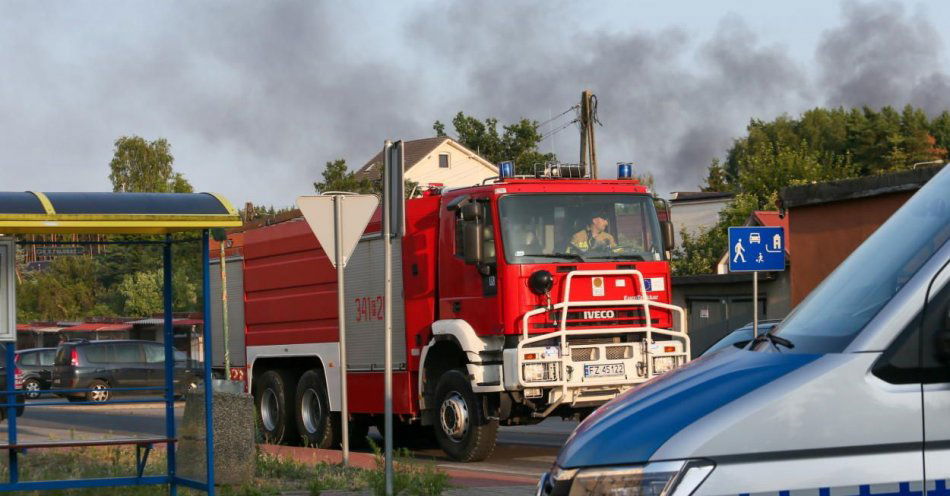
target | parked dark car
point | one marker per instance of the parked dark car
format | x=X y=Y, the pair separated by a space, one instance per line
x=102 y=365
x=741 y=336
x=3 y=384
x=34 y=370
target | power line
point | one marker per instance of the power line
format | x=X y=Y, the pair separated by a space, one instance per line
x=558 y=116
x=557 y=130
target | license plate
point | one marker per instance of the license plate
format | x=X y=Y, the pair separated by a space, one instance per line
x=605 y=370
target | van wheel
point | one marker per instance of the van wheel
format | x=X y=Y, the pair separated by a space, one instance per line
x=273 y=399
x=99 y=391
x=461 y=428
x=315 y=423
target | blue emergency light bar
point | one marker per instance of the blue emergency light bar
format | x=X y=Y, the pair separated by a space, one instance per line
x=624 y=171
x=506 y=169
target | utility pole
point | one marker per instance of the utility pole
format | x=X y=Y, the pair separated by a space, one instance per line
x=588 y=143
x=583 y=118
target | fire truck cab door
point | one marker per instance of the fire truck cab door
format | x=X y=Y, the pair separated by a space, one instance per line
x=466 y=291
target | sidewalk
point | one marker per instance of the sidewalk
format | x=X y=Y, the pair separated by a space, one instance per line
x=467 y=482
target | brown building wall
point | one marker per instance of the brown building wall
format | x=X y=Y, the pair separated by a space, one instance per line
x=821 y=236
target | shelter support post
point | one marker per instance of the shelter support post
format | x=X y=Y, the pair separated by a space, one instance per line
x=11 y=400
x=169 y=341
x=206 y=348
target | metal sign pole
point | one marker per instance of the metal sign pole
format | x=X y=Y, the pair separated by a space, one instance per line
x=387 y=312
x=755 y=304
x=224 y=313
x=341 y=311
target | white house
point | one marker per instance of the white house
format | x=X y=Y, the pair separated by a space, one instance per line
x=436 y=161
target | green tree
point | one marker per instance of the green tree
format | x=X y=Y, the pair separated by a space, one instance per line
x=820 y=145
x=145 y=166
x=336 y=177
x=142 y=293
x=67 y=290
x=517 y=142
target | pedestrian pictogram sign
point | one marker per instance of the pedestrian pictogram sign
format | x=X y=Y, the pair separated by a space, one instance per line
x=356 y=211
x=756 y=249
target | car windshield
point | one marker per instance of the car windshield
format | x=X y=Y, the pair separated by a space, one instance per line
x=741 y=335
x=836 y=311
x=579 y=227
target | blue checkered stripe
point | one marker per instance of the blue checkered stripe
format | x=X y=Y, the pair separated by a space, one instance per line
x=939 y=488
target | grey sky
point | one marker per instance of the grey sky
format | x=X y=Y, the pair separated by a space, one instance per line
x=256 y=96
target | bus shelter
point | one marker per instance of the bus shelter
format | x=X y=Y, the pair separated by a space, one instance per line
x=158 y=215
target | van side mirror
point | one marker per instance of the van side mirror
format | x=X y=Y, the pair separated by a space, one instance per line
x=942 y=341
x=669 y=242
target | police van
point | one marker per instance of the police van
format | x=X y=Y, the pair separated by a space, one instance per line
x=850 y=395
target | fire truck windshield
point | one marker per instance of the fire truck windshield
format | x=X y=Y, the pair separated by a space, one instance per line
x=545 y=228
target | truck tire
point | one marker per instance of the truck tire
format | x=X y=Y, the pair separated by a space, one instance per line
x=461 y=428
x=315 y=421
x=273 y=399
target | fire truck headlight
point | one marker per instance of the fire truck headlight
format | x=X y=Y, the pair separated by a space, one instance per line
x=539 y=372
x=654 y=479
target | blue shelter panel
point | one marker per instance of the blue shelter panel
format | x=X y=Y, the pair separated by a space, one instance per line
x=20 y=203
x=137 y=204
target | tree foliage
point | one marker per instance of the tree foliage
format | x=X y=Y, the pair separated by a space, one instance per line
x=820 y=145
x=145 y=166
x=127 y=279
x=336 y=177
x=517 y=142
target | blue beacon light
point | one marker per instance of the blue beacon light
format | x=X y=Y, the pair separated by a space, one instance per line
x=625 y=171
x=506 y=169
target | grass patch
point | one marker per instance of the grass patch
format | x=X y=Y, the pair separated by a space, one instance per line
x=273 y=476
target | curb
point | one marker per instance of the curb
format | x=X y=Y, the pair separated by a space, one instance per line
x=466 y=478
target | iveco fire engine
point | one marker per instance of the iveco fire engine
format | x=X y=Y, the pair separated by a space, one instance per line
x=513 y=300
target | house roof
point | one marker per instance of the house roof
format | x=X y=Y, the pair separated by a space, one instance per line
x=161 y=321
x=859 y=187
x=414 y=150
x=99 y=326
x=686 y=196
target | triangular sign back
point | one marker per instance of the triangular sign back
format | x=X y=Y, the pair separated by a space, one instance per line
x=356 y=212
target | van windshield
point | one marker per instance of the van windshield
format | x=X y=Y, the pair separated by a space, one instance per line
x=836 y=311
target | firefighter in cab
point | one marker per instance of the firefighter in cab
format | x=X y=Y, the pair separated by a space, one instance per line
x=594 y=237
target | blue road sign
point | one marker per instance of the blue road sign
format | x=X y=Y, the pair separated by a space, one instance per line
x=756 y=248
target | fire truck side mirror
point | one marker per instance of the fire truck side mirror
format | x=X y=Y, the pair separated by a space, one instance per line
x=472 y=239
x=668 y=239
x=470 y=212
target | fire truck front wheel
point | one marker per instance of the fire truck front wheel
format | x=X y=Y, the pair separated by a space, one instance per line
x=315 y=423
x=273 y=396
x=461 y=428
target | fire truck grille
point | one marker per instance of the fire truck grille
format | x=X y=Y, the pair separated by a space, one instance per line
x=618 y=352
x=583 y=354
x=598 y=318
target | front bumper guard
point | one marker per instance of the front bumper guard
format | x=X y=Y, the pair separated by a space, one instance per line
x=571 y=385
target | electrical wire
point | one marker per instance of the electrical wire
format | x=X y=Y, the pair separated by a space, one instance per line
x=557 y=130
x=558 y=116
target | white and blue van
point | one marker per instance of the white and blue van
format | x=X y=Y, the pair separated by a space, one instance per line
x=850 y=395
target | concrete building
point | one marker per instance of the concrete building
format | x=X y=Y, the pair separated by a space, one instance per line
x=436 y=161
x=696 y=211
x=827 y=221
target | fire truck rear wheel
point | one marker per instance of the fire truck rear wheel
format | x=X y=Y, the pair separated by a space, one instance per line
x=461 y=428
x=273 y=397
x=315 y=423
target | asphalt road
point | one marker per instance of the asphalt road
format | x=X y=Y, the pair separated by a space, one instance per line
x=522 y=450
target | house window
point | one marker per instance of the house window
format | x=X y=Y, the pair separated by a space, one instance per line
x=443 y=160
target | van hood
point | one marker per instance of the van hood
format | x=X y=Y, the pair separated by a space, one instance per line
x=630 y=428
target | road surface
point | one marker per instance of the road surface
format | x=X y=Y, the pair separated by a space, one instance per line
x=523 y=450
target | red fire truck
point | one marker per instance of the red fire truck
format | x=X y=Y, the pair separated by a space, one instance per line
x=513 y=301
